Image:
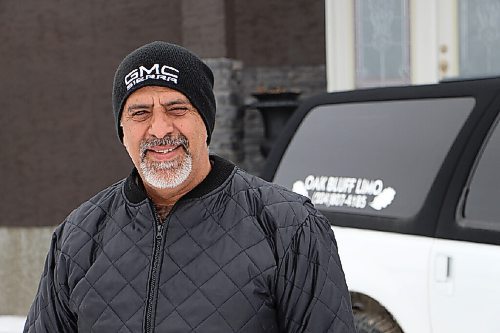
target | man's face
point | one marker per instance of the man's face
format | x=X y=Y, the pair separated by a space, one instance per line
x=165 y=137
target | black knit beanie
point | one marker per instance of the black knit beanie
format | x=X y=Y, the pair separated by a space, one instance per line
x=167 y=65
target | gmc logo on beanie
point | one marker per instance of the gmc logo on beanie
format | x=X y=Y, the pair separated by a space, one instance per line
x=156 y=72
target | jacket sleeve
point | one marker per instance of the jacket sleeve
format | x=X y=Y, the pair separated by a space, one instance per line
x=311 y=292
x=50 y=309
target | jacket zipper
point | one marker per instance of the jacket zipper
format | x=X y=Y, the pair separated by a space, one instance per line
x=153 y=280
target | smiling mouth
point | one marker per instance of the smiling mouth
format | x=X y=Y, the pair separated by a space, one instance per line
x=163 y=151
x=164 y=148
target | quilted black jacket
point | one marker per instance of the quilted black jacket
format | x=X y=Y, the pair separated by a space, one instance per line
x=236 y=254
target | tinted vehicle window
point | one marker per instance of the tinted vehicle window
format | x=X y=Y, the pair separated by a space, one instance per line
x=375 y=158
x=482 y=204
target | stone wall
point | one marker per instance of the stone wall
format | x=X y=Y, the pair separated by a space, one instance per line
x=228 y=133
x=309 y=80
x=239 y=130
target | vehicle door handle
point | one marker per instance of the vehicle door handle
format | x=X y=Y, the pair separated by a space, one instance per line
x=442 y=268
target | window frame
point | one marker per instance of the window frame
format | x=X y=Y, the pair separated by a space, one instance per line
x=461 y=219
x=450 y=224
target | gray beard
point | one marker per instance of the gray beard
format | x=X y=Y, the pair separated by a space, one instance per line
x=165 y=175
x=170 y=174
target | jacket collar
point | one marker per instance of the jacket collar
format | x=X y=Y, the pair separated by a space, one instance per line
x=221 y=170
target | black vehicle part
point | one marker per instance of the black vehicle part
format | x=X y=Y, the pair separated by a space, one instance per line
x=437 y=216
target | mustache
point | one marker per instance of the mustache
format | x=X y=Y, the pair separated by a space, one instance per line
x=167 y=140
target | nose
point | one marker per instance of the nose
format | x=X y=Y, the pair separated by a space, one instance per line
x=160 y=123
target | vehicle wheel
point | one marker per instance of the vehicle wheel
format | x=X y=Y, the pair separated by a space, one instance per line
x=375 y=323
x=371 y=317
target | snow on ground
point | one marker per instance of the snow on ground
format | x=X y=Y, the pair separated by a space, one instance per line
x=11 y=324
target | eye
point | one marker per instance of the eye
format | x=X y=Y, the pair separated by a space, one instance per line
x=178 y=110
x=139 y=114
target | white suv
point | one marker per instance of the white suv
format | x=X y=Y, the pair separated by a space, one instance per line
x=409 y=178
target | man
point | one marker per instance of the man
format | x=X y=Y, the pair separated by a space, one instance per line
x=188 y=242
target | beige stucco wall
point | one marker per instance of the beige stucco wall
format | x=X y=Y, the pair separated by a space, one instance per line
x=22 y=255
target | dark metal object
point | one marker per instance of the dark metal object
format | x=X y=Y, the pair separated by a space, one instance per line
x=276 y=108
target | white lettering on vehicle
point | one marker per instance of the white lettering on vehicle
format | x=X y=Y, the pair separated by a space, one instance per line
x=345 y=192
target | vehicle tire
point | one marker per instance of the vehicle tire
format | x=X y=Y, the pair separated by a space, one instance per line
x=375 y=323
x=371 y=317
